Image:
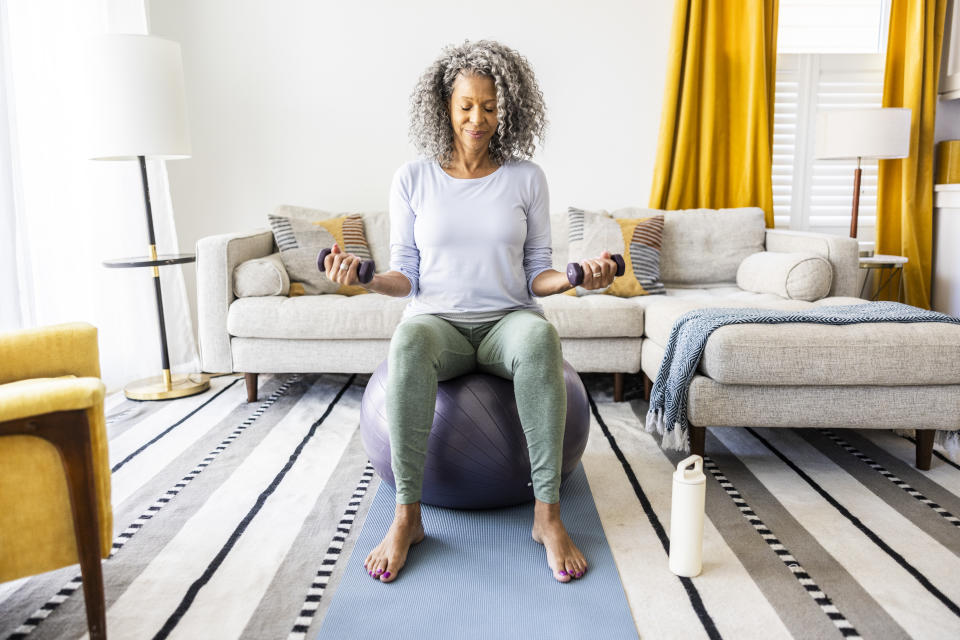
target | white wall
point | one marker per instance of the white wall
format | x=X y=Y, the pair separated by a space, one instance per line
x=305 y=102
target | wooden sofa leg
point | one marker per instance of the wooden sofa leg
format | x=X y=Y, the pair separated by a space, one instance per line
x=924 y=448
x=69 y=432
x=647 y=387
x=698 y=436
x=618 y=387
x=251 y=380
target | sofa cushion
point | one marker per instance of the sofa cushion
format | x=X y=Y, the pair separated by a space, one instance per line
x=376 y=224
x=332 y=316
x=659 y=318
x=796 y=276
x=301 y=233
x=813 y=354
x=261 y=277
x=376 y=316
x=595 y=316
x=636 y=239
x=706 y=246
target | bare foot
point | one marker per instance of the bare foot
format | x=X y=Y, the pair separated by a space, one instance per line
x=563 y=556
x=386 y=560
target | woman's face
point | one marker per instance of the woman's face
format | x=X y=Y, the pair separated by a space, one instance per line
x=473 y=112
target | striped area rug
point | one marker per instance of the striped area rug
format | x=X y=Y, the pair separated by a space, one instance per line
x=235 y=520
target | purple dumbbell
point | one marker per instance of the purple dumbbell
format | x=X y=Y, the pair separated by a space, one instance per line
x=364 y=273
x=575 y=271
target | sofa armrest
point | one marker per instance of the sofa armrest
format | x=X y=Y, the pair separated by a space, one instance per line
x=217 y=257
x=842 y=253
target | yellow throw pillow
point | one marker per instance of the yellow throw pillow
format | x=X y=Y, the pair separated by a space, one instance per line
x=300 y=234
x=638 y=240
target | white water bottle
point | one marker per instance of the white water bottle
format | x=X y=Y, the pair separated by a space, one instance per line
x=686 y=518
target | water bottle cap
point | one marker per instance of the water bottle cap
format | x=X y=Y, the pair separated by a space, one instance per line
x=692 y=475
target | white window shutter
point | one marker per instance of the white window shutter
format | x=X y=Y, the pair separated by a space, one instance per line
x=812 y=194
x=844 y=82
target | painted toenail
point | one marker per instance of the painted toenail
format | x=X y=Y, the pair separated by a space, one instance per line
x=579 y=573
x=386 y=575
x=562 y=572
x=379 y=571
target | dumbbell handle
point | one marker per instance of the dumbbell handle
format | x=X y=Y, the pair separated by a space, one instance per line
x=364 y=273
x=575 y=271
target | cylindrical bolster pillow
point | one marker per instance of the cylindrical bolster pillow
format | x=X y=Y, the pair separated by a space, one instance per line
x=796 y=276
x=261 y=277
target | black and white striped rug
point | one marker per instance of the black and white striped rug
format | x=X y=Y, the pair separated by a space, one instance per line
x=235 y=520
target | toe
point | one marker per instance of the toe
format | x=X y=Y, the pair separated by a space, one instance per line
x=562 y=575
x=388 y=575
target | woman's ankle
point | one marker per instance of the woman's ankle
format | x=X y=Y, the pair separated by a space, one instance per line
x=405 y=513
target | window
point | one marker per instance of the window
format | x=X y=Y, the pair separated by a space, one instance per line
x=831 y=57
x=815 y=194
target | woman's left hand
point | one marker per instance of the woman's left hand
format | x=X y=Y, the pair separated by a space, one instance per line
x=599 y=273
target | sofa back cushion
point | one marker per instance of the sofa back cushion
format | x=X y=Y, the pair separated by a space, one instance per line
x=706 y=246
x=377 y=226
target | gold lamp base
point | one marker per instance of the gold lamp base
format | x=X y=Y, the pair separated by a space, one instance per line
x=167 y=387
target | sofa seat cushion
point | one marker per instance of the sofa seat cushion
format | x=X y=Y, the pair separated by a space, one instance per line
x=326 y=317
x=922 y=353
x=596 y=316
x=375 y=316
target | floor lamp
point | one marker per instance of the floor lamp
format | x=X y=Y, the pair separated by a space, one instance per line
x=845 y=134
x=139 y=112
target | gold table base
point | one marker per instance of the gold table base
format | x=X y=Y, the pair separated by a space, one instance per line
x=167 y=387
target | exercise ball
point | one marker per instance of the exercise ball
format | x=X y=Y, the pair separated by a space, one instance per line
x=477 y=455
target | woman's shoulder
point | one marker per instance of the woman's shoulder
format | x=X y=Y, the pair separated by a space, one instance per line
x=415 y=167
x=527 y=169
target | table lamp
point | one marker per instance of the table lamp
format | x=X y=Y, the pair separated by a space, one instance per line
x=845 y=134
x=138 y=112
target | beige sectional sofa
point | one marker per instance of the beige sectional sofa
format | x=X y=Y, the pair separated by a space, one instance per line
x=870 y=375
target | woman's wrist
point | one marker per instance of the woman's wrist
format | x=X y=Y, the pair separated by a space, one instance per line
x=550 y=282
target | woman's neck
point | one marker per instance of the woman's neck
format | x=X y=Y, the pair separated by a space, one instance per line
x=470 y=164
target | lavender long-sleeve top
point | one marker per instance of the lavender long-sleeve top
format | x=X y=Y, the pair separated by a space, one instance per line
x=469 y=246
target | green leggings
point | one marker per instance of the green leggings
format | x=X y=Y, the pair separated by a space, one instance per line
x=522 y=346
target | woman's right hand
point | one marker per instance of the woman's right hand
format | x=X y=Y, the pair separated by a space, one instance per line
x=341 y=267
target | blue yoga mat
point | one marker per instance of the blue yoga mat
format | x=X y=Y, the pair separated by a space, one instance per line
x=479 y=574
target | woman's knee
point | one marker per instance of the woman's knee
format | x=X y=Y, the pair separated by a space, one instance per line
x=413 y=340
x=539 y=337
x=533 y=339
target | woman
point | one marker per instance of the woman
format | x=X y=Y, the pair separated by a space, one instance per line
x=470 y=244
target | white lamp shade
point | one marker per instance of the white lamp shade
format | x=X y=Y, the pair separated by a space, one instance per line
x=137 y=98
x=863 y=133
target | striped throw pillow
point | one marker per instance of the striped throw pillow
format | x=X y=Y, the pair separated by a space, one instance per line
x=638 y=240
x=301 y=233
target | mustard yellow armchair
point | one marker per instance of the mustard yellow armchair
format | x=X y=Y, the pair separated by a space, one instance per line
x=54 y=470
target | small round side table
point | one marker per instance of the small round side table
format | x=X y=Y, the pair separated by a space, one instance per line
x=880 y=261
x=165 y=386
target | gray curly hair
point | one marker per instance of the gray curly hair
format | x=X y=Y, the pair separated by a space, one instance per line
x=521 y=113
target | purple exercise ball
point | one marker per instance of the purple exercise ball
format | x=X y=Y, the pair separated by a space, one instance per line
x=477 y=455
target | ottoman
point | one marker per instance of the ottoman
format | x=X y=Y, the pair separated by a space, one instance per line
x=869 y=375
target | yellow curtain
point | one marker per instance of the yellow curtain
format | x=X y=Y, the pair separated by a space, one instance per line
x=716 y=132
x=905 y=187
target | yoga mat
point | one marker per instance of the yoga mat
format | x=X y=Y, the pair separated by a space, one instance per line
x=479 y=574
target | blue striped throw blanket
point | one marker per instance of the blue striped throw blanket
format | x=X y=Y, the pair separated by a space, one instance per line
x=688 y=337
